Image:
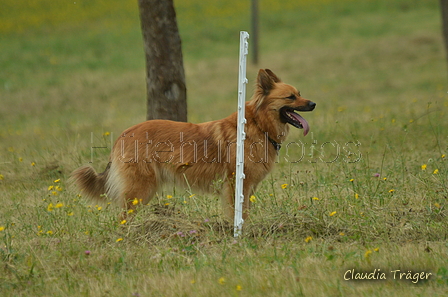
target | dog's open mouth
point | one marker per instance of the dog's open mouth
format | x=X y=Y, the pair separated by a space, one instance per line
x=288 y=115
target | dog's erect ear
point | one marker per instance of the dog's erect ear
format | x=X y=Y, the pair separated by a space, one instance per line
x=273 y=76
x=266 y=80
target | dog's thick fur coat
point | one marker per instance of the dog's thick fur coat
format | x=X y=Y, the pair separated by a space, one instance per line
x=200 y=156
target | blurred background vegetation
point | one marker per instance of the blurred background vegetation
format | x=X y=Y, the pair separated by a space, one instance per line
x=381 y=60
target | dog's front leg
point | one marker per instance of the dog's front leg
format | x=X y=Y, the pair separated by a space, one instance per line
x=228 y=199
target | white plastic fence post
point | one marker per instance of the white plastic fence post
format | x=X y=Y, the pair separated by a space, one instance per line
x=241 y=135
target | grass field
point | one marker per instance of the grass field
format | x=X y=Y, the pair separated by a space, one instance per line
x=365 y=192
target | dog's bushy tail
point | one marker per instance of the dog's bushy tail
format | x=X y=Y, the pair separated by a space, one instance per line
x=90 y=183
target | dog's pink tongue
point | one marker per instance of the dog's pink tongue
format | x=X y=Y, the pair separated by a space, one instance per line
x=298 y=117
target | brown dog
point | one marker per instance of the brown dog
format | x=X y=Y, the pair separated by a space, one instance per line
x=199 y=156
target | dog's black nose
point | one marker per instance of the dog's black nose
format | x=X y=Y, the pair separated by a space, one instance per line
x=311 y=105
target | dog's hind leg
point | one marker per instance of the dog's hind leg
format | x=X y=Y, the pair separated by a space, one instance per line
x=139 y=187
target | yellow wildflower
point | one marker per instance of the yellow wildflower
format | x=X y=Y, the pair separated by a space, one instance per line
x=443 y=156
x=130 y=211
x=252 y=199
x=59 y=188
x=2 y=228
x=135 y=201
x=436 y=171
x=315 y=198
x=50 y=188
x=54 y=193
x=169 y=196
x=391 y=190
x=192 y=195
x=376 y=249
x=123 y=222
x=367 y=254
x=59 y=205
x=342 y=233
x=58 y=180
x=50 y=207
x=284 y=186
x=99 y=208
x=221 y=281
x=352 y=180
x=424 y=167
x=20 y=159
x=70 y=213
x=239 y=288
x=437 y=205
x=119 y=239
x=2 y=177
x=332 y=213
x=107 y=133
x=33 y=163
x=308 y=239
x=356 y=196
x=49 y=232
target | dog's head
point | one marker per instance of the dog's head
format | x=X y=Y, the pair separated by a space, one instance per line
x=274 y=96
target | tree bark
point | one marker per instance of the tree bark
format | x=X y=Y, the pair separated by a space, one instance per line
x=165 y=77
x=444 y=9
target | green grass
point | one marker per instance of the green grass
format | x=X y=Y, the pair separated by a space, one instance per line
x=354 y=195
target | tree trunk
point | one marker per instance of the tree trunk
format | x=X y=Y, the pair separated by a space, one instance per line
x=165 y=77
x=444 y=9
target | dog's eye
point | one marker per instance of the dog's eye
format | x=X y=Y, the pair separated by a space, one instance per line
x=292 y=97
